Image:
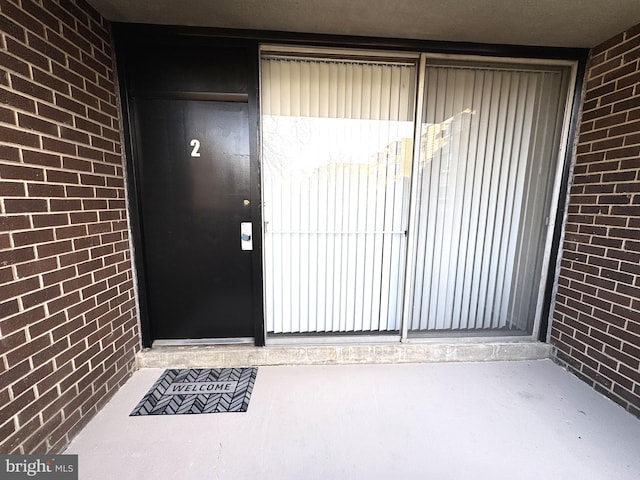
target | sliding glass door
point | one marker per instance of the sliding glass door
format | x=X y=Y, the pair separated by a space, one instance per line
x=350 y=248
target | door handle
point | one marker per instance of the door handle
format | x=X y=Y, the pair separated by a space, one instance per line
x=246 y=243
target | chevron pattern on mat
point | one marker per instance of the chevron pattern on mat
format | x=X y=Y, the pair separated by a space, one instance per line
x=214 y=390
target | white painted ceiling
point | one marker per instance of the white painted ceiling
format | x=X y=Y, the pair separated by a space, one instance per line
x=563 y=23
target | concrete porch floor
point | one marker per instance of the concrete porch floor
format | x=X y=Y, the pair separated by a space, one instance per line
x=498 y=420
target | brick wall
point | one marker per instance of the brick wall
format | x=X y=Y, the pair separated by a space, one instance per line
x=596 y=322
x=68 y=328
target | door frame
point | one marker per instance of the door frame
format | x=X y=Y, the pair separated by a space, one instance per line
x=130 y=44
x=127 y=35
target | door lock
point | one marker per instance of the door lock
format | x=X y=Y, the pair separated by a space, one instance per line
x=246 y=243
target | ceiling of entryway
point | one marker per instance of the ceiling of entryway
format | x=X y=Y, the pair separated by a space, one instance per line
x=564 y=23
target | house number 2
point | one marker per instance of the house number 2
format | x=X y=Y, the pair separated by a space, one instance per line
x=195 y=152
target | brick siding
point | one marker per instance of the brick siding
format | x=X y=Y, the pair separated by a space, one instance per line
x=68 y=327
x=596 y=320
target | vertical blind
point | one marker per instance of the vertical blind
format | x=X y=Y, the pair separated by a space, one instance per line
x=337 y=148
x=488 y=145
x=338 y=157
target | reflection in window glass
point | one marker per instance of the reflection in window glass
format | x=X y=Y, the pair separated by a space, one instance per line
x=336 y=159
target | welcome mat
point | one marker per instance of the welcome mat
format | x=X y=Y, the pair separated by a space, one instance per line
x=199 y=390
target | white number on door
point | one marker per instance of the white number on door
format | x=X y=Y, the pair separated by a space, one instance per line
x=196 y=147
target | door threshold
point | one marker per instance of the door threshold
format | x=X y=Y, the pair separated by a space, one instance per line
x=243 y=355
x=203 y=342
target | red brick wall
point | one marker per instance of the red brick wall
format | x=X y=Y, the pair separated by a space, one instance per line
x=596 y=322
x=68 y=327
